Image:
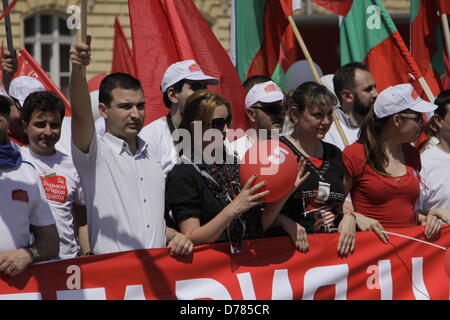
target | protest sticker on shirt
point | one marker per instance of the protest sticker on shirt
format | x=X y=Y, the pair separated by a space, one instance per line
x=55 y=187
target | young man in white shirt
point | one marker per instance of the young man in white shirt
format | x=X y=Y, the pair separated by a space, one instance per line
x=23 y=209
x=264 y=109
x=179 y=82
x=42 y=115
x=435 y=173
x=356 y=91
x=123 y=184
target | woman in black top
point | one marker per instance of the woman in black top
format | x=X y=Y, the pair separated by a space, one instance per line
x=205 y=197
x=316 y=205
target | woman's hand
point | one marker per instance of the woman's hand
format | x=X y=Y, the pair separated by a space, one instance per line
x=368 y=224
x=248 y=197
x=347 y=229
x=301 y=174
x=432 y=226
x=297 y=233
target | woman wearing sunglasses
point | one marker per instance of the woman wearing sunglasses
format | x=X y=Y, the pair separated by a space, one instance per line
x=206 y=198
x=316 y=205
x=382 y=167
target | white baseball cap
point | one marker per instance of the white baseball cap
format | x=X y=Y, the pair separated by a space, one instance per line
x=22 y=86
x=398 y=98
x=187 y=69
x=263 y=92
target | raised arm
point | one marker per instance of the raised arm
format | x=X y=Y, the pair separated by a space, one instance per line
x=83 y=126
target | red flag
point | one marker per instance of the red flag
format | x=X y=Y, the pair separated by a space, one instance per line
x=123 y=60
x=27 y=66
x=167 y=31
x=427 y=43
x=339 y=7
x=444 y=6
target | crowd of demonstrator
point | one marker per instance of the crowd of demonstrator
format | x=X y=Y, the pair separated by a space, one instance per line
x=129 y=187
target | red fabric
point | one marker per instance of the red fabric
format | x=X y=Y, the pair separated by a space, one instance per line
x=123 y=60
x=167 y=31
x=424 y=43
x=279 y=45
x=340 y=7
x=444 y=6
x=27 y=66
x=404 y=70
x=389 y=200
x=266 y=269
x=316 y=161
x=8 y=9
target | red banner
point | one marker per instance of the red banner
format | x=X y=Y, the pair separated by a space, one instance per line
x=265 y=269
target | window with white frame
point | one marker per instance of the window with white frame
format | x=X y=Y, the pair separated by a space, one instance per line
x=48 y=40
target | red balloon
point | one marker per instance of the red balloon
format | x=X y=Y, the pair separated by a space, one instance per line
x=271 y=161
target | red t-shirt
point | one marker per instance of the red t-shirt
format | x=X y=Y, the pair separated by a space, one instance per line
x=390 y=200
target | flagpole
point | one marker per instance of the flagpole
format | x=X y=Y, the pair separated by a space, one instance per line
x=315 y=74
x=445 y=27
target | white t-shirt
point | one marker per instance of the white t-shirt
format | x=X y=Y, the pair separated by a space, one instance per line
x=61 y=184
x=435 y=174
x=124 y=195
x=160 y=143
x=351 y=131
x=21 y=205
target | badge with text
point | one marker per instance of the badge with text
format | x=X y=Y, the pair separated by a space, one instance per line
x=55 y=187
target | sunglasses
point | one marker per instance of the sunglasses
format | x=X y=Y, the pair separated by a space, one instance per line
x=417 y=117
x=273 y=109
x=219 y=123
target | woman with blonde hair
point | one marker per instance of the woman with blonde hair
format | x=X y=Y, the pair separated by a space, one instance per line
x=206 y=197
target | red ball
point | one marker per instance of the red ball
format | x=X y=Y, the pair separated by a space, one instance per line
x=271 y=161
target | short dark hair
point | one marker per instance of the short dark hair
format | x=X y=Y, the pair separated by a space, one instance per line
x=45 y=101
x=344 y=78
x=116 y=80
x=251 y=81
x=177 y=87
x=309 y=94
x=442 y=100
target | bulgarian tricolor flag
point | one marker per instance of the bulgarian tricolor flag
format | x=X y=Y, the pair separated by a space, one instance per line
x=427 y=44
x=368 y=35
x=263 y=42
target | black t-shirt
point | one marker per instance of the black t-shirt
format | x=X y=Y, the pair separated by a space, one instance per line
x=305 y=205
x=188 y=195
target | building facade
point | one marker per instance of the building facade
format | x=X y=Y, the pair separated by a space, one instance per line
x=41 y=26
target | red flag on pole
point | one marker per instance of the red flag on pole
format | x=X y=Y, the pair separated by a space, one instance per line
x=27 y=66
x=123 y=60
x=167 y=31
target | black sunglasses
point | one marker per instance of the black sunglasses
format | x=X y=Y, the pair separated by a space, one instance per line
x=273 y=109
x=219 y=123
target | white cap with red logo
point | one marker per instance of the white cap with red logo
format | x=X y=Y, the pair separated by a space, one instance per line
x=266 y=92
x=398 y=98
x=187 y=69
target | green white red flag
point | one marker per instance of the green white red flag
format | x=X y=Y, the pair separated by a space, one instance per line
x=368 y=35
x=427 y=44
x=263 y=41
